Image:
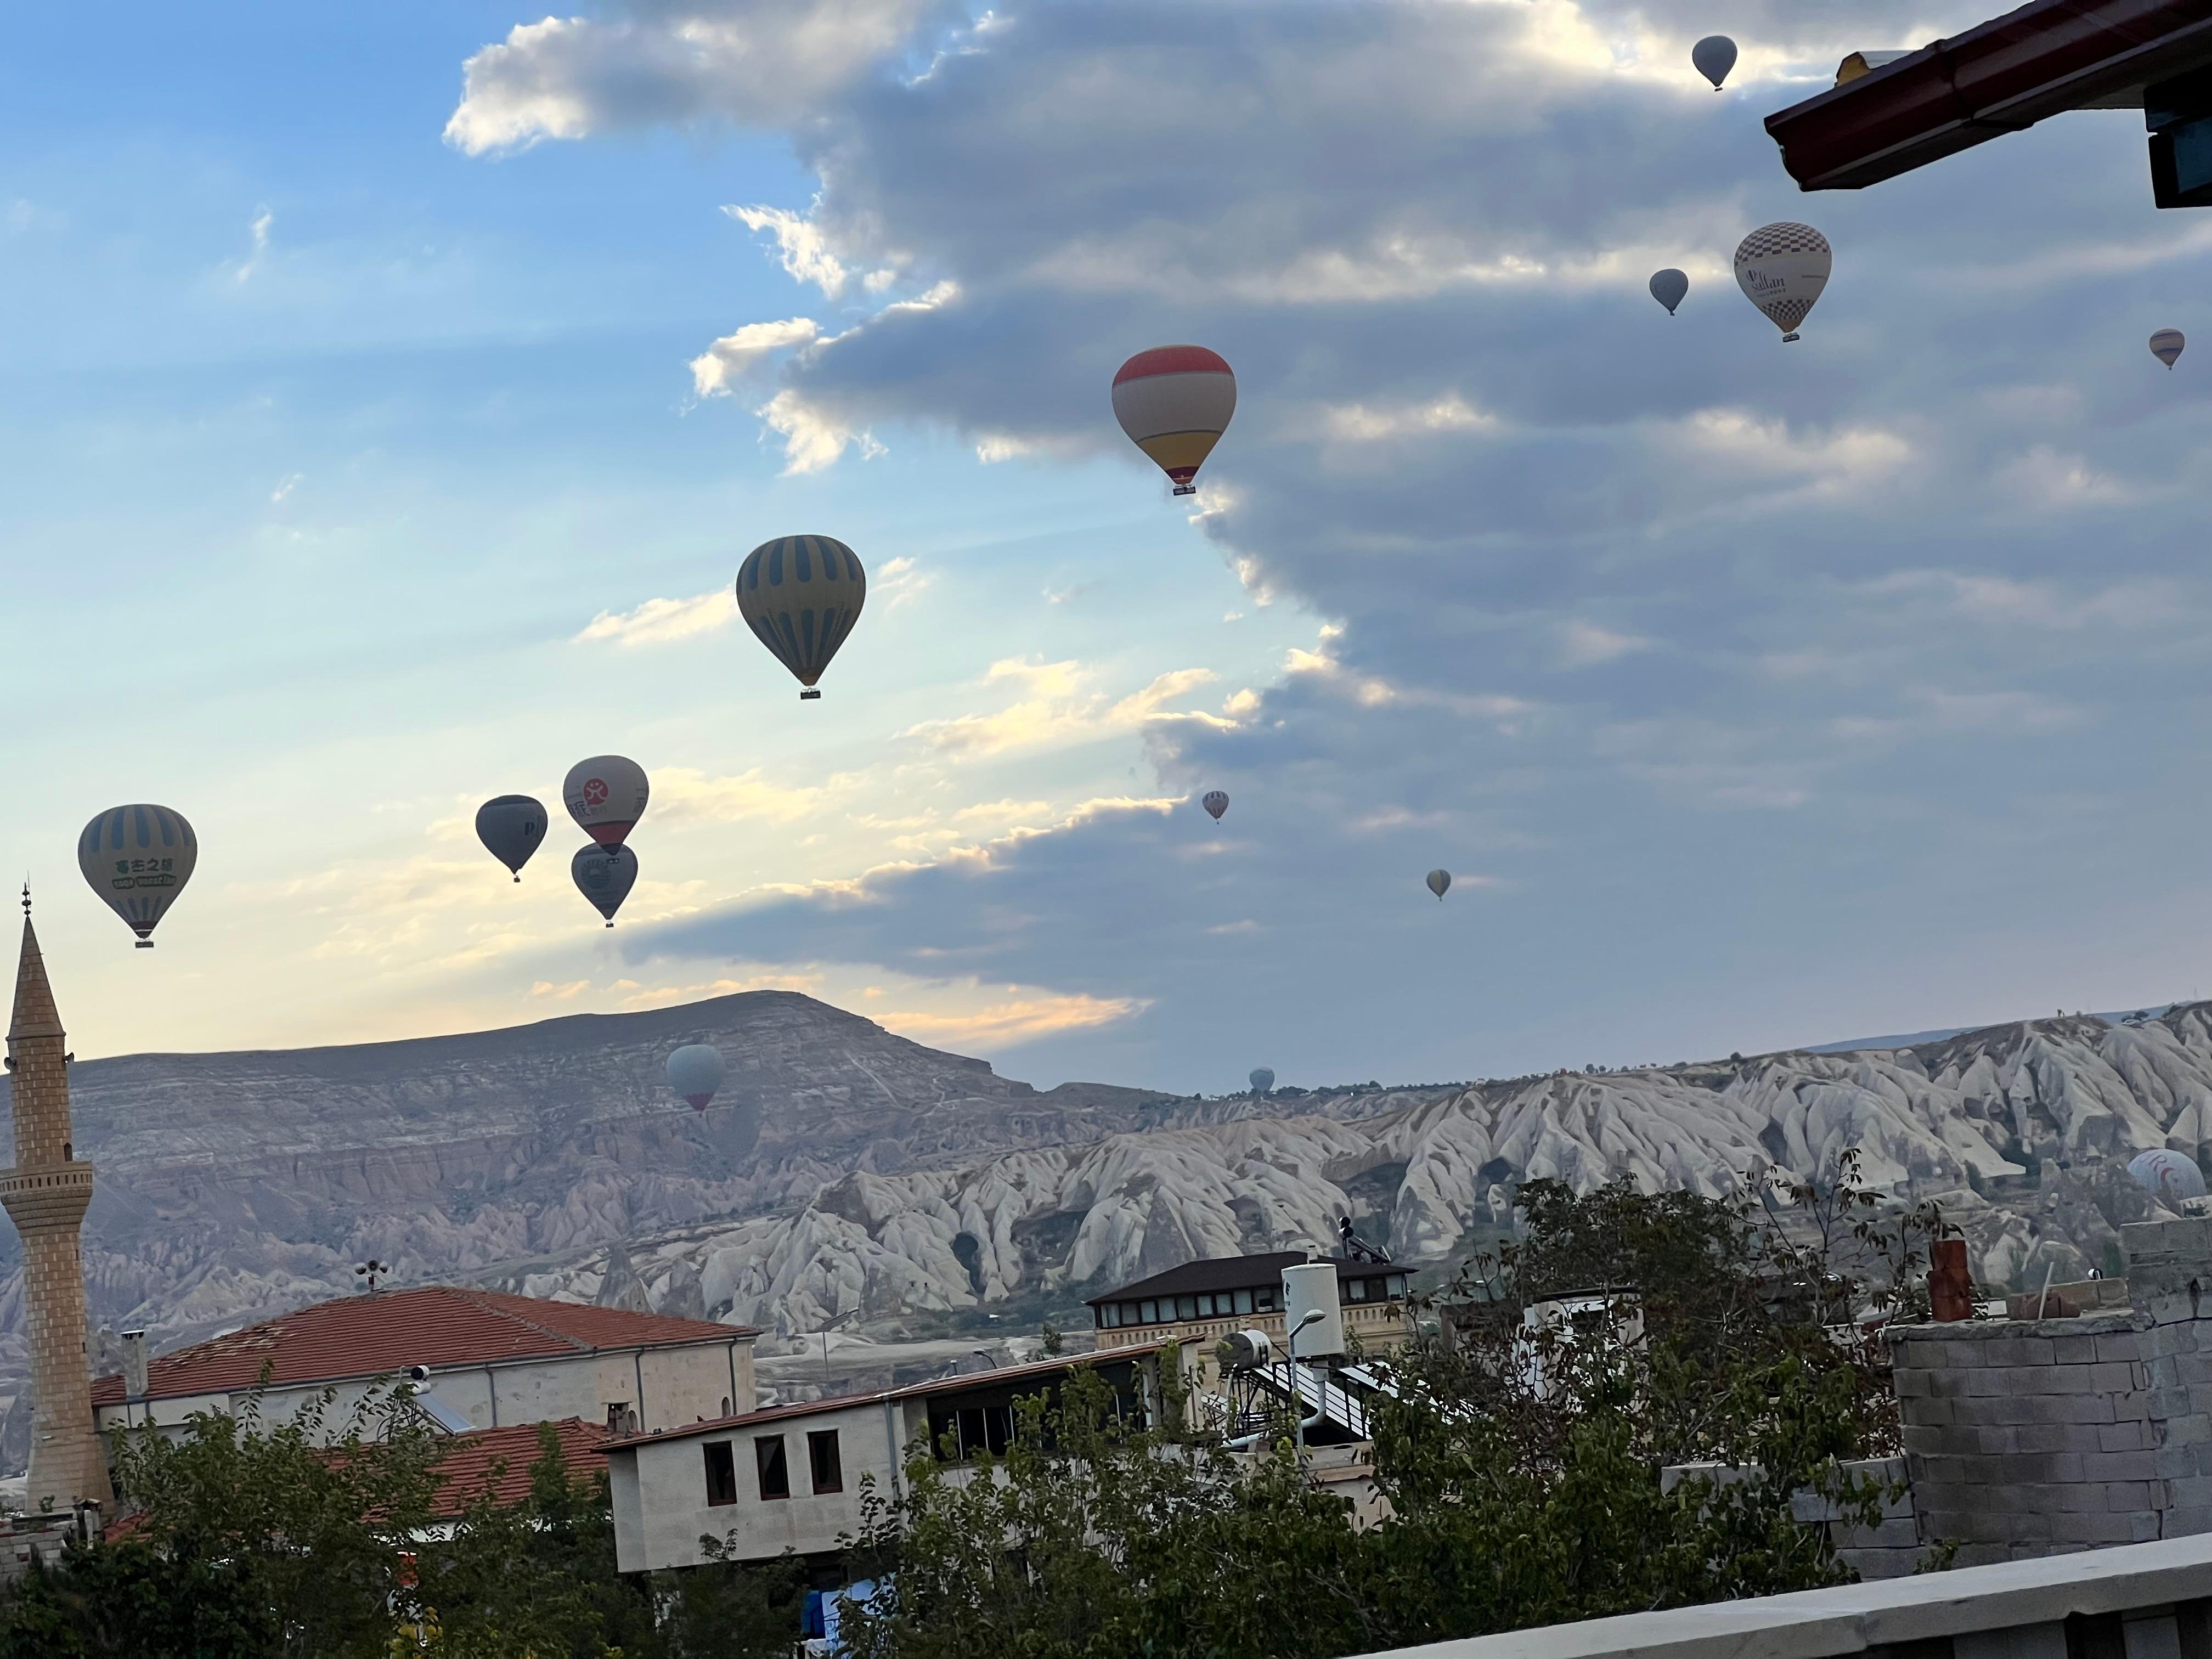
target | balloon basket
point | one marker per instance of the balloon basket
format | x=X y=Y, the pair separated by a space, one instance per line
x=810 y=695
x=1787 y=338
x=1186 y=489
x=610 y=924
x=144 y=944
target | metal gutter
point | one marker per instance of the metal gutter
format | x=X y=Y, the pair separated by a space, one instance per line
x=2000 y=76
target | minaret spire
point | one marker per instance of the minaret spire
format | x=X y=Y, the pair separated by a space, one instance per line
x=46 y=1194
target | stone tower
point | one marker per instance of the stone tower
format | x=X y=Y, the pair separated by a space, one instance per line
x=46 y=1195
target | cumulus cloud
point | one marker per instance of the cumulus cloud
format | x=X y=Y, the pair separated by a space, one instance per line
x=756 y=63
x=1840 y=613
x=717 y=371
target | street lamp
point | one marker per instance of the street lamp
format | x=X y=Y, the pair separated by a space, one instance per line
x=1312 y=1315
x=849 y=1312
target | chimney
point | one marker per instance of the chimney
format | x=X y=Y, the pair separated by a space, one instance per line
x=135 y=1383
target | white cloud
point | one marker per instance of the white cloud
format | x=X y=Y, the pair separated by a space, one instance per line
x=1057 y=707
x=659 y=622
x=1359 y=423
x=813 y=437
x=716 y=371
x=802 y=248
x=756 y=63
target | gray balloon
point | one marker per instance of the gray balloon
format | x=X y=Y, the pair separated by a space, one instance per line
x=604 y=875
x=511 y=827
x=1438 y=881
x=1263 y=1080
x=1715 y=56
x=1669 y=287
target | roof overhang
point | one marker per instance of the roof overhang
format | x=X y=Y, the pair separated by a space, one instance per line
x=2001 y=76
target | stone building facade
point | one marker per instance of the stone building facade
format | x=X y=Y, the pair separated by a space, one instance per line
x=46 y=1194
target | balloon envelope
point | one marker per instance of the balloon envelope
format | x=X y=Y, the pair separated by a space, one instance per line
x=138 y=859
x=2166 y=345
x=1782 y=268
x=801 y=596
x=606 y=796
x=695 y=1072
x=2168 y=1174
x=1262 y=1080
x=1175 y=403
x=511 y=827
x=1669 y=287
x=1714 y=56
x=604 y=875
x=1438 y=880
x=1215 y=803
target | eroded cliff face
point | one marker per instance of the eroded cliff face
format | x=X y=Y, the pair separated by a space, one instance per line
x=846 y=1169
x=2021 y=1131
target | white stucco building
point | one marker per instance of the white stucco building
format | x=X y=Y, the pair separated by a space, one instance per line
x=788 y=1478
x=491 y=1361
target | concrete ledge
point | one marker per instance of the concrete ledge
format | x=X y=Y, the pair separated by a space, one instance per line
x=1851 y=1618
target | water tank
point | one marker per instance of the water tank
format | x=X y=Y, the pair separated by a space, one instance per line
x=1309 y=1286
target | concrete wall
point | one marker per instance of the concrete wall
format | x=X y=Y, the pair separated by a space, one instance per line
x=2033 y=1439
x=669 y=1387
x=660 y=1489
x=2147 y=1602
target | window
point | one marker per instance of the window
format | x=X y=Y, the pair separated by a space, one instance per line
x=1355 y=1290
x=822 y=1462
x=726 y=1404
x=1151 y=1313
x=1206 y=1306
x=1243 y=1302
x=1185 y=1306
x=1395 y=1283
x=721 y=1474
x=774 y=1474
x=1263 y=1299
x=1109 y=1317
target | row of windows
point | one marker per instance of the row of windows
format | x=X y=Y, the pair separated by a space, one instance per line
x=825 y=1465
x=1226 y=1305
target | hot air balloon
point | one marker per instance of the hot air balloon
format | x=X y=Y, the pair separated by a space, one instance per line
x=696 y=1072
x=1669 y=287
x=1215 y=803
x=1262 y=1080
x=2166 y=345
x=1438 y=881
x=138 y=859
x=801 y=595
x=1175 y=403
x=1782 y=268
x=510 y=827
x=1714 y=56
x=606 y=796
x=604 y=875
x=2169 y=1178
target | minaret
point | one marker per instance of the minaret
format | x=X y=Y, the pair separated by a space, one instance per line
x=46 y=1195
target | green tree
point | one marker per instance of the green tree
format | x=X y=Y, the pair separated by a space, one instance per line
x=1534 y=1473
x=315 y=1516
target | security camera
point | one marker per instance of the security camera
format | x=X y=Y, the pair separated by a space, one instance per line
x=418 y=1373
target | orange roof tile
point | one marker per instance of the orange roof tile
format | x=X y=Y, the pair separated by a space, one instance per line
x=472 y=1461
x=440 y=1325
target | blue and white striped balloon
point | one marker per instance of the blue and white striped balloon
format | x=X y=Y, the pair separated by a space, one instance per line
x=801 y=595
x=138 y=859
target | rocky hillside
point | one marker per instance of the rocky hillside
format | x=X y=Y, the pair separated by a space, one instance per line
x=2022 y=1131
x=846 y=1171
x=233 y=1186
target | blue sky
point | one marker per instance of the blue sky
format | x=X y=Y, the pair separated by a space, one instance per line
x=392 y=391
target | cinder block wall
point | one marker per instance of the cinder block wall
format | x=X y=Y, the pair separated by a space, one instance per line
x=1889 y=1549
x=2027 y=1439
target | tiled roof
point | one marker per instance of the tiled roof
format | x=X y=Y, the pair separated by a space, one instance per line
x=472 y=1460
x=1036 y=1370
x=440 y=1325
x=1235 y=1273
